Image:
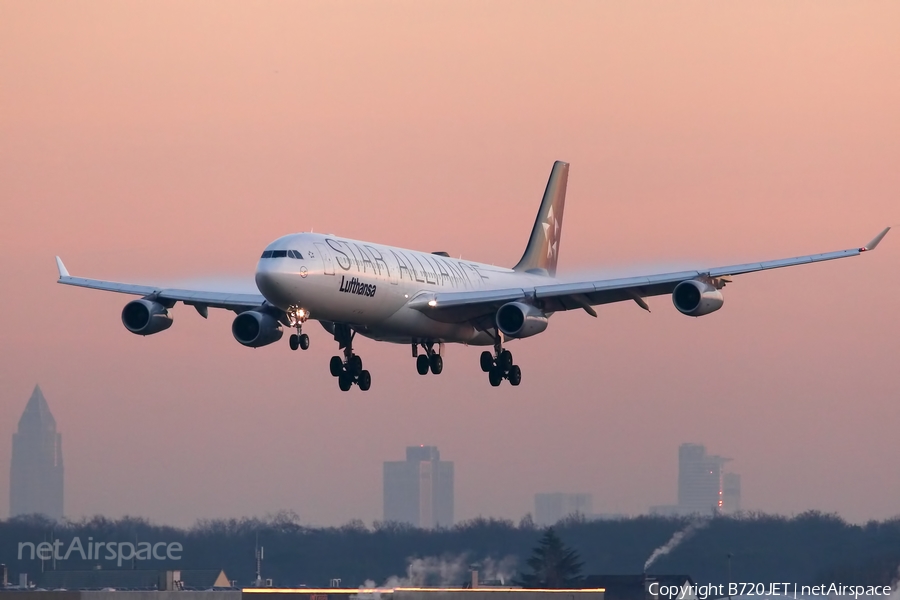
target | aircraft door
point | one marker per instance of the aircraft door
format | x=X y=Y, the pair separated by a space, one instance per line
x=327 y=261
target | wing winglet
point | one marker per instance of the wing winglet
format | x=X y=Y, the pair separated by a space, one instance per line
x=63 y=271
x=874 y=243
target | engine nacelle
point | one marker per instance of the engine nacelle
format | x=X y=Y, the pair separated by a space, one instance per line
x=696 y=298
x=254 y=329
x=145 y=317
x=519 y=320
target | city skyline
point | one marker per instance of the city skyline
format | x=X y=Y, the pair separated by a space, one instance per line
x=141 y=142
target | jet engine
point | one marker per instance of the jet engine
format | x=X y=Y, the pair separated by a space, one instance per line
x=254 y=329
x=145 y=317
x=519 y=320
x=696 y=298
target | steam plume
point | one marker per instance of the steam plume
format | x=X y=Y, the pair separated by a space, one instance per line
x=447 y=570
x=895 y=587
x=674 y=541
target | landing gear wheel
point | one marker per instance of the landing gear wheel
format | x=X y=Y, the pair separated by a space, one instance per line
x=345 y=381
x=347 y=368
x=515 y=375
x=336 y=365
x=437 y=364
x=422 y=364
x=487 y=361
x=365 y=381
x=495 y=376
x=294 y=341
x=505 y=361
x=302 y=341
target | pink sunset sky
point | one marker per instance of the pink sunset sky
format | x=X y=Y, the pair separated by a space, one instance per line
x=170 y=140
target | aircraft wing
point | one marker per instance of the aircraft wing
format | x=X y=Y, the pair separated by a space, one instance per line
x=198 y=298
x=479 y=306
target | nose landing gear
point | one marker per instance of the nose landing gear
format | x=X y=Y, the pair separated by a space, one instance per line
x=299 y=340
x=431 y=360
x=297 y=317
x=349 y=369
x=499 y=366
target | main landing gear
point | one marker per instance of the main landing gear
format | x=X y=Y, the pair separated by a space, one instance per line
x=499 y=366
x=349 y=369
x=431 y=360
x=297 y=317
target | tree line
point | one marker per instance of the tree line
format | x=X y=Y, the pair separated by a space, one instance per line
x=809 y=548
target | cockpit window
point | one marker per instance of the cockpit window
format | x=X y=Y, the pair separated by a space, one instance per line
x=282 y=254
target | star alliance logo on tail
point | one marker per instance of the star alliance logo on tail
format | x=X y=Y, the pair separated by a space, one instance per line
x=355 y=286
x=551 y=234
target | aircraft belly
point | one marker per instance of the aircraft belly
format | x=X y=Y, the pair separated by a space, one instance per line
x=384 y=315
x=408 y=324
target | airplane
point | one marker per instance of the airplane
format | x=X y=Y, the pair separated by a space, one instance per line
x=424 y=299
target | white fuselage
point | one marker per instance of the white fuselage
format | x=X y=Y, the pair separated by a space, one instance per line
x=369 y=286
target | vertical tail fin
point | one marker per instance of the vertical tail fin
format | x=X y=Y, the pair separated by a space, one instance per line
x=542 y=251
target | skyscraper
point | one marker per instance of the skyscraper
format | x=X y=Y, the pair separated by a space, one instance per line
x=551 y=508
x=36 y=473
x=699 y=480
x=703 y=487
x=731 y=492
x=419 y=490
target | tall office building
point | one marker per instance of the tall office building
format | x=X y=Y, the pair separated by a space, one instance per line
x=551 y=508
x=731 y=492
x=699 y=480
x=36 y=473
x=419 y=490
x=703 y=487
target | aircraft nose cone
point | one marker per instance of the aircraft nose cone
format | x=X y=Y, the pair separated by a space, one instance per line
x=271 y=283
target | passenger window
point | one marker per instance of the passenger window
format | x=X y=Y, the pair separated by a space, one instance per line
x=266 y=254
